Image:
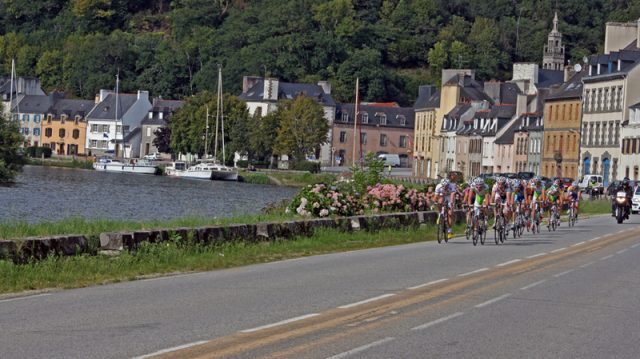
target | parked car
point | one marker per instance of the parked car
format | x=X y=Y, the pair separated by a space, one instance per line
x=526 y=175
x=635 y=201
x=152 y=156
x=390 y=159
x=510 y=175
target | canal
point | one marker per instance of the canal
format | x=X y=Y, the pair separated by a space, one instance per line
x=51 y=194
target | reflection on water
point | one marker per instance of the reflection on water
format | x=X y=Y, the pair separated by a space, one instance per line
x=49 y=193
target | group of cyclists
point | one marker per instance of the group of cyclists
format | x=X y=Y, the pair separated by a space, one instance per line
x=508 y=198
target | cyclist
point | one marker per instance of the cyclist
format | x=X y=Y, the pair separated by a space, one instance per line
x=446 y=191
x=466 y=199
x=501 y=193
x=554 y=196
x=517 y=197
x=478 y=198
x=536 y=195
x=573 y=197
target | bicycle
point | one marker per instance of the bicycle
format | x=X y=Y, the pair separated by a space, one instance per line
x=554 y=218
x=535 y=221
x=443 y=223
x=499 y=232
x=519 y=222
x=468 y=232
x=572 y=215
x=479 y=226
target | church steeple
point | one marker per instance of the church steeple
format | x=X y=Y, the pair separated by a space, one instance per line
x=553 y=56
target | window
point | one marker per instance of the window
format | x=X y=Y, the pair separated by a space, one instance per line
x=403 y=142
x=104 y=128
x=148 y=131
x=25 y=117
x=36 y=118
x=94 y=128
x=363 y=138
x=118 y=129
x=62 y=133
x=76 y=134
x=364 y=117
x=104 y=144
x=26 y=131
x=48 y=132
x=403 y=120
x=345 y=117
x=49 y=117
x=77 y=119
x=94 y=143
x=36 y=132
x=63 y=118
x=383 y=140
x=343 y=136
x=383 y=119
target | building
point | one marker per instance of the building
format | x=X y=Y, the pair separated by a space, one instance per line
x=29 y=111
x=611 y=87
x=382 y=129
x=425 y=108
x=553 y=54
x=158 y=117
x=109 y=123
x=64 y=129
x=563 y=114
x=631 y=144
x=263 y=94
x=450 y=151
x=22 y=86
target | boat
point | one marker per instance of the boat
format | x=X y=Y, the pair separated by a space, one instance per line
x=108 y=164
x=175 y=169
x=113 y=165
x=219 y=170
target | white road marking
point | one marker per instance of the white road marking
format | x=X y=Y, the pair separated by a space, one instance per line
x=606 y=257
x=491 y=301
x=362 y=348
x=620 y=231
x=366 y=301
x=635 y=245
x=169 y=350
x=437 y=321
x=26 y=297
x=537 y=255
x=587 y=264
x=509 y=262
x=473 y=272
x=287 y=321
x=594 y=239
x=558 y=250
x=533 y=284
x=578 y=244
x=563 y=273
x=622 y=251
x=428 y=284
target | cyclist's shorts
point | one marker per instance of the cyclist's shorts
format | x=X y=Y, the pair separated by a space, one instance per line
x=519 y=198
x=574 y=196
x=553 y=198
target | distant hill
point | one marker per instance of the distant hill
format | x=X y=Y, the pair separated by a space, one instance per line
x=173 y=47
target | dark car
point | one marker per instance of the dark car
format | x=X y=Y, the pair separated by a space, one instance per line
x=510 y=175
x=526 y=175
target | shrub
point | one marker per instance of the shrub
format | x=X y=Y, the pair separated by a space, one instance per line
x=313 y=167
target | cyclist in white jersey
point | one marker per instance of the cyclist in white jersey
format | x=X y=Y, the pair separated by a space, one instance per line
x=446 y=191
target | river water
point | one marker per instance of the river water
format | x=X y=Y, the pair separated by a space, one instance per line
x=51 y=194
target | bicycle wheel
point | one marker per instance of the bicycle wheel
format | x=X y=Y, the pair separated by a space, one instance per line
x=483 y=235
x=497 y=233
x=440 y=225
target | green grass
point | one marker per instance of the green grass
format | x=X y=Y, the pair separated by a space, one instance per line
x=601 y=206
x=296 y=179
x=22 y=229
x=255 y=178
x=176 y=256
x=67 y=163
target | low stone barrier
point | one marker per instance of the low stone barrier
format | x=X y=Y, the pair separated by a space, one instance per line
x=24 y=250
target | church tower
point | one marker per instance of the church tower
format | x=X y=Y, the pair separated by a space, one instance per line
x=553 y=56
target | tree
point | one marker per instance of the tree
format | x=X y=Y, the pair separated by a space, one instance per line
x=303 y=128
x=263 y=135
x=438 y=58
x=162 y=141
x=11 y=160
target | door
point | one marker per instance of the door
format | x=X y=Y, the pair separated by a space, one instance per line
x=605 y=171
x=586 y=166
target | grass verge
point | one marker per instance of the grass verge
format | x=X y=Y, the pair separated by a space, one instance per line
x=67 y=163
x=178 y=256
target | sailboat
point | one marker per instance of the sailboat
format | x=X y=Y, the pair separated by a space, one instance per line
x=108 y=164
x=219 y=170
x=200 y=170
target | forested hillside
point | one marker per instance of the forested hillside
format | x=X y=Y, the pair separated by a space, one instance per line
x=172 y=48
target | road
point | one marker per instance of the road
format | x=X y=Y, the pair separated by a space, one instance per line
x=571 y=293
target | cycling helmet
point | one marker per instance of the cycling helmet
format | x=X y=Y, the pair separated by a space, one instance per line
x=478 y=181
x=537 y=180
x=571 y=188
x=557 y=182
x=625 y=181
x=444 y=182
x=502 y=180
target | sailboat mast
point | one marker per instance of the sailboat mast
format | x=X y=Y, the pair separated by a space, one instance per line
x=206 y=133
x=220 y=106
x=13 y=78
x=215 y=155
x=355 y=122
x=116 y=119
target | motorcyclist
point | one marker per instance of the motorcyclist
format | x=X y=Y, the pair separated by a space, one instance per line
x=625 y=186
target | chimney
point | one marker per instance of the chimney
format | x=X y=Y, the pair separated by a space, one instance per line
x=143 y=95
x=248 y=82
x=103 y=94
x=492 y=89
x=326 y=87
x=569 y=71
x=271 y=87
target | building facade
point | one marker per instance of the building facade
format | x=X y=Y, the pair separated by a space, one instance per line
x=563 y=115
x=553 y=55
x=158 y=117
x=64 y=129
x=29 y=111
x=630 y=144
x=381 y=129
x=426 y=108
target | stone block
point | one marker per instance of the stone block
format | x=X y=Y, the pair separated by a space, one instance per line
x=8 y=250
x=267 y=230
x=240 y=232
x=111 y=241
x=71 y=245
x=210 y=234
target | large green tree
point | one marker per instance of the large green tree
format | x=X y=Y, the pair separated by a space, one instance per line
x=11 y=160
x=303 y=128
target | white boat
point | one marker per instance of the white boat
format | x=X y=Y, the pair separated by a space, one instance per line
x=113 y=165
x=175 y=169
x=219 y=170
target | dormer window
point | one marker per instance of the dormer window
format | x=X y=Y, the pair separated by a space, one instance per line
x=63 y=118
x=345 y=117
x=49 y=118
x=403 y=120
x=77 y=119
x=365 y=117
x=382 y=118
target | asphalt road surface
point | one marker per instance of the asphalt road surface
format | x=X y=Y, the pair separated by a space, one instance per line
x=573 y=293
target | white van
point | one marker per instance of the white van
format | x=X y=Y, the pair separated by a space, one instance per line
x=591 y=182
x=390 y=159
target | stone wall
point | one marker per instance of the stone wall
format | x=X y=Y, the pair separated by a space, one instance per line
x=24 y=250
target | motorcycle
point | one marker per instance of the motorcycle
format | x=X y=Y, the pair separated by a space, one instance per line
x=622 y=206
